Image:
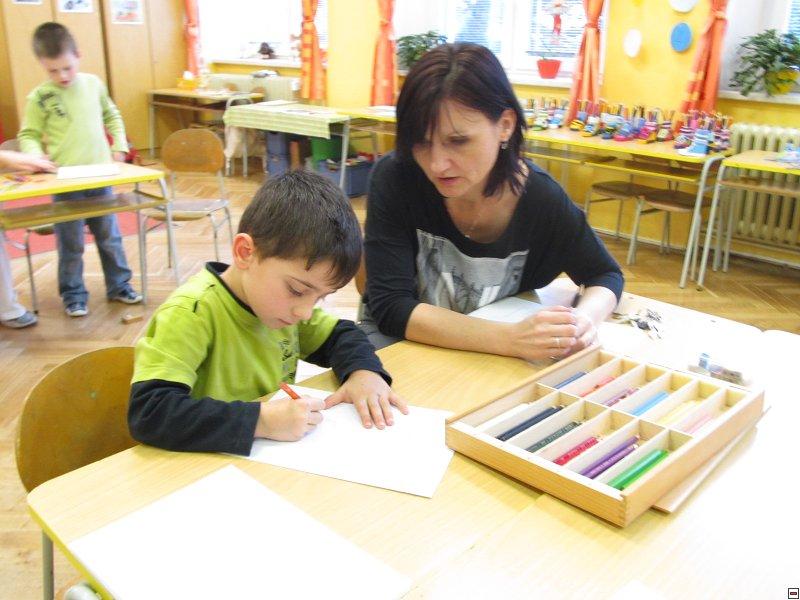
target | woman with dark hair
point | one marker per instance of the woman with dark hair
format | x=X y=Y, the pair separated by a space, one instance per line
x=457 y=219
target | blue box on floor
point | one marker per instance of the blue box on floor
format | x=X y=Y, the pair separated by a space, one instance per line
x=355 y=177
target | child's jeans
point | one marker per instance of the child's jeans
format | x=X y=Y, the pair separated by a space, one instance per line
x=70 y=251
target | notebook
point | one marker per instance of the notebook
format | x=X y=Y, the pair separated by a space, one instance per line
x=82 y=171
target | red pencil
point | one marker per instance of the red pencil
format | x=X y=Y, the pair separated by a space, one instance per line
x=292 y=394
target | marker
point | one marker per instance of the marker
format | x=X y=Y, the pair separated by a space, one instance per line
x=677 y=413
x=639 y=468
x=506 y=435
x=570 y=379
x=578 y=295
x=604 y=462
x=292 y=394
x=552 y=437
x=644 y=407
x=576 y=451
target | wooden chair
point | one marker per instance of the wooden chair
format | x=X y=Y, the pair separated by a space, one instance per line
x=193 y=151
x=361 y=286
x=74 y=416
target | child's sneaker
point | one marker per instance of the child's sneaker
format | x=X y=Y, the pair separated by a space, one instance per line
x=128 y=296
x=76 y=309
x=26 y=320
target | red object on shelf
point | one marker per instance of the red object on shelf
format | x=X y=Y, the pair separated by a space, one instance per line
x=548 y=67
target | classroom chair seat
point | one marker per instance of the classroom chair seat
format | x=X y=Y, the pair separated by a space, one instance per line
x=667 y=201
x=193 y=151
x=621 y=191
x=75 y=415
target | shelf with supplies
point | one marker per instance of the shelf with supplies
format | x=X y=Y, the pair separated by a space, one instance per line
x=606 y=432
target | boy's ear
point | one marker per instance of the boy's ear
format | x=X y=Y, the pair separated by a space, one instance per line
x=243 y=250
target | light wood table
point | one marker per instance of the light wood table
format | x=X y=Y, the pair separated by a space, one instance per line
x=193 y=101
x=483 y=534
x=700 y=179
x=755 y=168
x=46 y=184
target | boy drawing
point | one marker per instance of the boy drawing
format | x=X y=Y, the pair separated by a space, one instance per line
x=69 y=113
x=231 y=334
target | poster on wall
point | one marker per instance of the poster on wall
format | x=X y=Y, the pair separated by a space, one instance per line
x=75 y=6
x=127 y=12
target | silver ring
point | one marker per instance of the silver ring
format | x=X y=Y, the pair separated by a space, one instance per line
x=558 y=342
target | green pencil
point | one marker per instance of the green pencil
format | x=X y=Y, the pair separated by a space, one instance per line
x=632 y=473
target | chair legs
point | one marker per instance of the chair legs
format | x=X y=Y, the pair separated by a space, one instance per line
x=635 y=233
x=48 y=588
x=34 y=300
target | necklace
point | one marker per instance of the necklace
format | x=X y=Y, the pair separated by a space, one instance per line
x=470 y=230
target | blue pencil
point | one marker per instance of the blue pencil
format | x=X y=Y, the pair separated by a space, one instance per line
x=643 y=408
x=570 y=379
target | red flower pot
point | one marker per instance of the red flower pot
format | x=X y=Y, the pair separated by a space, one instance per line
x=548 y=67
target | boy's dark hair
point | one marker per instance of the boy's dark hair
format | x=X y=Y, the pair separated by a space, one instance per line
x=469 y=74
x=51 y=40
x=302 y=214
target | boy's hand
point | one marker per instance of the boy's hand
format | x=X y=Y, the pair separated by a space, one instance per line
x=19 y=161
x=119 y=156
x=288 y=420
x=372 y=397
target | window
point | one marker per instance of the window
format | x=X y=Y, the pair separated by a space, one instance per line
x=236 y=28
x=519 y=32
x=746 y=18
x=794 y=18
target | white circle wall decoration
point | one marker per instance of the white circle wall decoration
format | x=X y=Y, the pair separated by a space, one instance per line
x=632 y=42
x=682 y=6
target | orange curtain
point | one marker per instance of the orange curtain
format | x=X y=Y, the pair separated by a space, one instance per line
x=585 y=83
x=311 y=75
x=191 y=33
x=384 y=69
x=701 y=90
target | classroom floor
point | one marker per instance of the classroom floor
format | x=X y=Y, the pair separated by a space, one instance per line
x=761 y=295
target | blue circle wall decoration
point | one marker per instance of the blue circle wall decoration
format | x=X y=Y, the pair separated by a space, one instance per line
x=681 y=37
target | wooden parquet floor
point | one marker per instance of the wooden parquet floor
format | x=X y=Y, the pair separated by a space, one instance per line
x=766 y=297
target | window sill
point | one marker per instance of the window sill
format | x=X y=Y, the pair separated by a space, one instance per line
x=791 y=98
x=259 y=62
x=565 y=81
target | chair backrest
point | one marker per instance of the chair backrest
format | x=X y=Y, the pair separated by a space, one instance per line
x=193 y=151
x=75 y=415
x=12 y=144
x=361 y=278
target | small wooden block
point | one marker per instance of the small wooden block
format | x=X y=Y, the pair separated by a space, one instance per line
x=129 y=318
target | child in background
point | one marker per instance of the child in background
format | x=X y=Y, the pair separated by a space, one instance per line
x=70 y=112
x=231 y=334
x=12 y=313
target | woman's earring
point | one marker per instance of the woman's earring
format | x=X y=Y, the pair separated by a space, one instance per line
x=503 y=145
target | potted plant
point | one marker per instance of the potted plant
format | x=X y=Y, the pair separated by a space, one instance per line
x=548 y=67
x=410 y=48
x=768 y=61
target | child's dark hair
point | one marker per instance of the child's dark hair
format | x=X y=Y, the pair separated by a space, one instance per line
x=51 y=40
x=471 y=75
x=302 y=214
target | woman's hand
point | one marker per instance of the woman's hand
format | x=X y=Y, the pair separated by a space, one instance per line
x=553 y=332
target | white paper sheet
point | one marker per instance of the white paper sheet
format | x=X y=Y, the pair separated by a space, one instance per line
x=410 y=456
x=228 y=536
x=507 y=310
x=81 y=171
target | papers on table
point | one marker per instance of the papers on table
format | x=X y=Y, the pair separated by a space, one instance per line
x=228 y=536
x=410 y=456
x=507 y=310
x=81 y=171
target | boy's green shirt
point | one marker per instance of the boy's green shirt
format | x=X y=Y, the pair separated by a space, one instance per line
x=67 y=123
x=203 y=337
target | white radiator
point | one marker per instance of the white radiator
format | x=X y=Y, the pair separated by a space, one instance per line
x=766 y=219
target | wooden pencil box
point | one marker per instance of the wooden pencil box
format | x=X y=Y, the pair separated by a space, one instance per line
x=698 y=417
